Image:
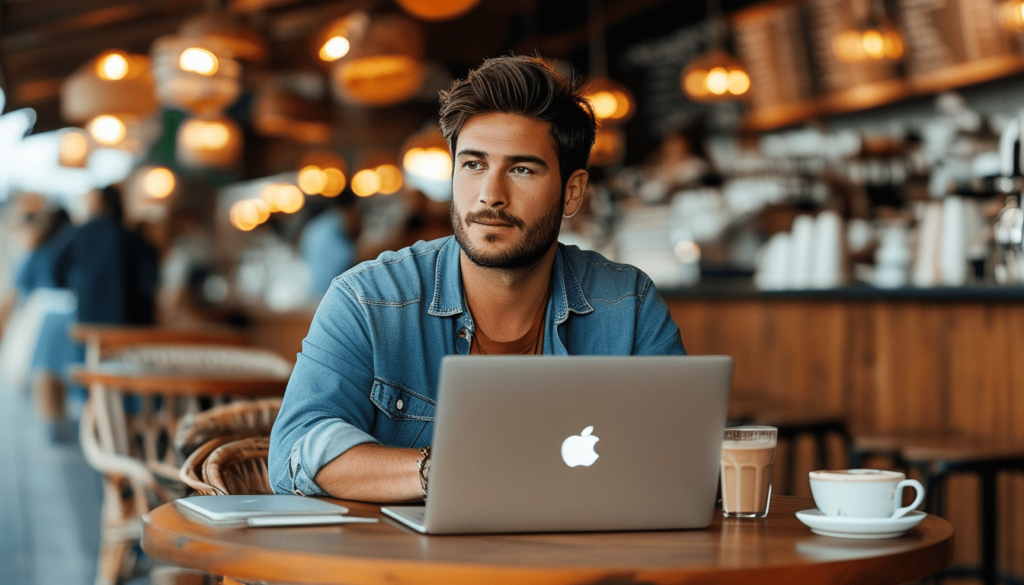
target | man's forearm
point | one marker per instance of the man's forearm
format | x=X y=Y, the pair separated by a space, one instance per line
x=373 y=473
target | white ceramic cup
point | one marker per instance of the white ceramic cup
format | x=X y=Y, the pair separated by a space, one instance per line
x=863 y=493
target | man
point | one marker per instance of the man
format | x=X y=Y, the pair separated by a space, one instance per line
x=357 y=415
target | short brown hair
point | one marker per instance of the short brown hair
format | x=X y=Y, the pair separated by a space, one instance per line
x=524 y=86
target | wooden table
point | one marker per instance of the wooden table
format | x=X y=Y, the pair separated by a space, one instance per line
x=100 y=337
x=777 y=549
x=146 y=379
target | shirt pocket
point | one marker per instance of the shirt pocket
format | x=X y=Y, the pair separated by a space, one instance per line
x=406 y=414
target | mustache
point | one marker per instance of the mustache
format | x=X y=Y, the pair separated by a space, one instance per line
x=499 y=215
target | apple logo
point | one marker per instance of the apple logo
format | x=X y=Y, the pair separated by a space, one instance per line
x=579 y=449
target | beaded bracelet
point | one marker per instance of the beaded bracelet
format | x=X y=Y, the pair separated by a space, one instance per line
x=423 y=465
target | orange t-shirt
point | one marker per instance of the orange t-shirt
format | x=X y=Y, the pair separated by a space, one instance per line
x=532 y=343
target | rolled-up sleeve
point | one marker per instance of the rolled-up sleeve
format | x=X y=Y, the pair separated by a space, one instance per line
x=326 y=408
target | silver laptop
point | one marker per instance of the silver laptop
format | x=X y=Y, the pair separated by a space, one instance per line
x=580 y=443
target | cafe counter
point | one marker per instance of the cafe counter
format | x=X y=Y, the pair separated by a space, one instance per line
x=903 y=360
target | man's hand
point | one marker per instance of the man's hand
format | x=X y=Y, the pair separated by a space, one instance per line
x=373 y=473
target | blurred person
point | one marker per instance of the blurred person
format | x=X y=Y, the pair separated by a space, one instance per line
x=677 y=164
x=113 y=270
x=520 y=135
x=39 y=231
x=328 y=242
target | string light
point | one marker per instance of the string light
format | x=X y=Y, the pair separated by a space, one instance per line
x=365 y=183
x=312 y=180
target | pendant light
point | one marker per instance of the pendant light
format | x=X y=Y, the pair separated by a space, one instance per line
x=437 y=10
x=240 y=40
x=375 y=61
x=716 y=75
x=612 y=102
x=874 y=39
x=114 y=83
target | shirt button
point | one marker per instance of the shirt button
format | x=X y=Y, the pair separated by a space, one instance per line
x=462 y=334
x=399 y=404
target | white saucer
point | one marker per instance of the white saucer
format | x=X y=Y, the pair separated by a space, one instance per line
x=846 y=527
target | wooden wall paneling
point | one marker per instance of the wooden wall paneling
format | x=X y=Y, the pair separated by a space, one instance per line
x=861 y=389
x=805 y=352
x=911 y=357
x=1013 y=319
x=727 y=328
x=979 y=373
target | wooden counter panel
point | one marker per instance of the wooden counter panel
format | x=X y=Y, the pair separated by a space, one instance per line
x=888 y=365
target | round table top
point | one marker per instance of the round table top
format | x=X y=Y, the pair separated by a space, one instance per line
x=776 y=549
x=143 y=378
x=118 y=335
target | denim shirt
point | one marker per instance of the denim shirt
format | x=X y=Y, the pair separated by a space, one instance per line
x=369 y=365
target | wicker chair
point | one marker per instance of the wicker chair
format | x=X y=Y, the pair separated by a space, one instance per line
x=201 y=433
x=239 y=467
x=128 y=435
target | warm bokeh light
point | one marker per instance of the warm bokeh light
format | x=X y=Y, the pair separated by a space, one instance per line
x=365 y=183
x=206 y=135
x=335 y=183
x=715 y=76
x=1011 y=15
x=437 y=10
x=158 y=183
x=872 y=44
x=429 y=163
x=73 y=150
x=390 y=179
x=107 y=130
x=335 y=48
x=112 y=67
x=693 y=83
x=247 y=214
x=289 y=199
x=268 y=195
x=610 y=105
x=198 y=61
x=739 y=82
x=604 y=104
x=312 y=180
x=717 y=80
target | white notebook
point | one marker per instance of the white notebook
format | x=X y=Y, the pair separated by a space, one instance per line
x=265 y=510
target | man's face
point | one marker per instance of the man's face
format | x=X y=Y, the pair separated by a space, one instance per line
x=507 y=198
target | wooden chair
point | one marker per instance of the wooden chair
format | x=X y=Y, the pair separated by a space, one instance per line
x=136 y=404
x=937 y=459
x=795 y=423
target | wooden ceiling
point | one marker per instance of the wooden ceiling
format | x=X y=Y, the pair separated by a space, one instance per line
x=44 y=41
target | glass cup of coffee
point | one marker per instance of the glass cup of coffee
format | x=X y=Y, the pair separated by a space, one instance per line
x=747 y=457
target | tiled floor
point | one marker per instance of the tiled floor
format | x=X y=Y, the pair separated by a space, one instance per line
x=49 y=501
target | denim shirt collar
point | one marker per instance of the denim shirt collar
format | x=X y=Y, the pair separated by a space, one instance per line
x=449 y=298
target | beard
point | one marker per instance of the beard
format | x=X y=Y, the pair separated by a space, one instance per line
x=536 y=239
